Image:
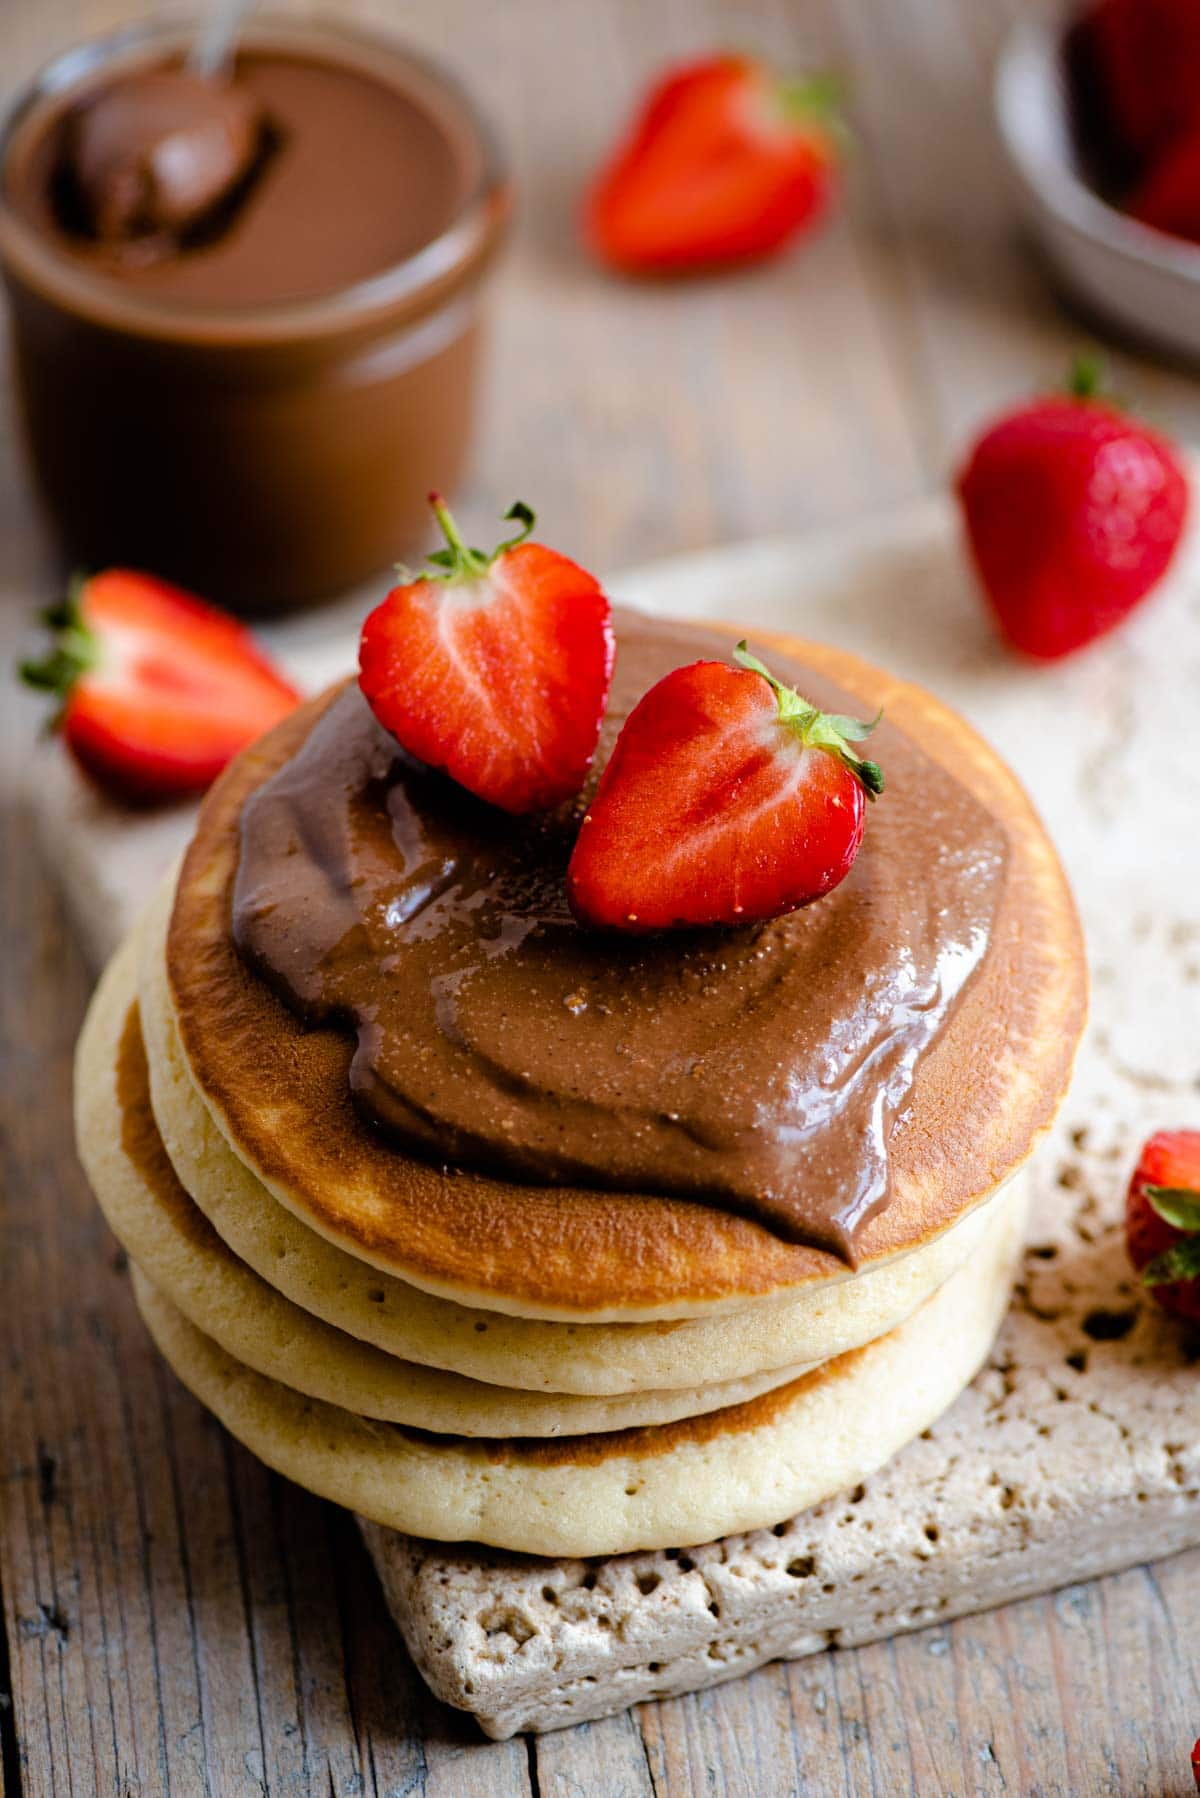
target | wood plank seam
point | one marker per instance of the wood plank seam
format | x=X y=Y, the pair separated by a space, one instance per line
x=11 y=1784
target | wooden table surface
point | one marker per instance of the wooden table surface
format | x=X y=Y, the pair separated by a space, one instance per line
x=175 y=1618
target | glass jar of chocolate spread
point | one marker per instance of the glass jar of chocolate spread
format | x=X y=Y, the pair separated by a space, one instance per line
x=245 y=373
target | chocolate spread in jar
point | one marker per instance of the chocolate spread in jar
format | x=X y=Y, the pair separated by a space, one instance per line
x=151 y=158
x=359 y=175
x=246 y=314
x=759 y=1070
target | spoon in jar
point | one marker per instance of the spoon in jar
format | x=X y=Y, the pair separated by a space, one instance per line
x=160 y=151
x=217 y=37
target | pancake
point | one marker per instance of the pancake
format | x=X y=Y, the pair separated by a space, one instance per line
x=175 y=1247
x=279 y=1091
x=820 y=1322
x=672 y=1485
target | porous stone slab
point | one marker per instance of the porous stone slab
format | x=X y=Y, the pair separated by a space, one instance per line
x=1075 y=1452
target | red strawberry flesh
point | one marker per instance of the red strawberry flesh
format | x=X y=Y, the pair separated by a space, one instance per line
x=724 y=165
x=715 y=809
x=494 y=669
x=1162 y=1220
x=160 y=691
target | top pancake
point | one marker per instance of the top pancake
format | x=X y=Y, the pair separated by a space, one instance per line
x=279 y=1091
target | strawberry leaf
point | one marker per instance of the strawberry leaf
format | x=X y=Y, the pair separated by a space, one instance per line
x=458 y=561
x=853 y=728
x=1180 y=1262
x=1177 y=1205
x=524 y=516
x=819 y=730
x=74 y=649
x=817 y=100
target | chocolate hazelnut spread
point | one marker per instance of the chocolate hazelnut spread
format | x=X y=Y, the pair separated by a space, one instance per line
x=758 y=1070
x=150 y=158
x=245 y=376
x=360 y=175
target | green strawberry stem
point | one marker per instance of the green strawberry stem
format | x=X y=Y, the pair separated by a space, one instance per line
x=1086 y=378
x=1178 y=1206
x=830 y=731
x=815 y=100
x=74 y=648
x=458 y=561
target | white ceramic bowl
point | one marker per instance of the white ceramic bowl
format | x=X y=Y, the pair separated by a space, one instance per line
x=1138 y=279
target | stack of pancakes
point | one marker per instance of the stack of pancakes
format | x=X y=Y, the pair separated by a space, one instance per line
x=468 y=1357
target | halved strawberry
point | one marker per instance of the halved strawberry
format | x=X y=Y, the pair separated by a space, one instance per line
x=1196 y=1765
x=724 y=164
x=159 y=690
x=1162 y=1220
x=727 y=799
x=494 y=668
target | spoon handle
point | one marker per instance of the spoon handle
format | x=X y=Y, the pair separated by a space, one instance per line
x=215 y=42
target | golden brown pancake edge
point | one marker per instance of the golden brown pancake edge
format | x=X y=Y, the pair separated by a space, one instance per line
x=984 y=1094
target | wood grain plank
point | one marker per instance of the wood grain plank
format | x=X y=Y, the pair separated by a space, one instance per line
x=309 y=1568
x=264 y=1574
x=740 y=1734
x=610 y=1757
x=640 y=418
x=1171 y=1590
x=408 y=1742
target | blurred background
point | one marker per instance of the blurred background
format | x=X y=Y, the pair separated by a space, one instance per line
x=845 y=377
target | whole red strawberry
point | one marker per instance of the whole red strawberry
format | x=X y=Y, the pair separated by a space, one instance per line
x=494 y=668
x=1073 y=512
x=159 y=691
x=1162 y=1220
x=724 y=164
x=1196 y=1765
x=727 y=799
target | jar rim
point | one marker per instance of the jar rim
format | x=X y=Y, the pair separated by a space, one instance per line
x=465 y=240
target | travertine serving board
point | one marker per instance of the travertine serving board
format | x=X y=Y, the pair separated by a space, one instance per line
x=1078 y=1448
x=1075 y=1452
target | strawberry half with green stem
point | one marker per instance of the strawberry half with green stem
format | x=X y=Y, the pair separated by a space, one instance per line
x=727 y=799
x=494 y=668
x=725 y=164
x=158 y=690
x=1162 y=1220
x=1073 y=513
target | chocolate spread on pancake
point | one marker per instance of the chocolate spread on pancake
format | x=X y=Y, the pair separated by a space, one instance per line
x=758 y=1070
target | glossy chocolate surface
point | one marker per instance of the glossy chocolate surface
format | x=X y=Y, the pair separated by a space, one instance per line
x=247 y=381
x=357 y=175
x=758 y=1070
